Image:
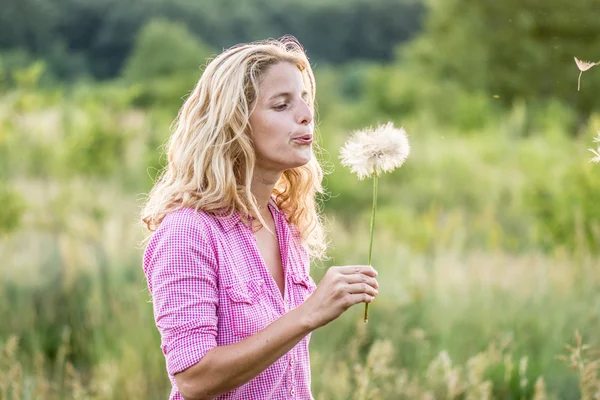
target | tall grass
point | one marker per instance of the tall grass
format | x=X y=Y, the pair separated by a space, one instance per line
x=486 y=251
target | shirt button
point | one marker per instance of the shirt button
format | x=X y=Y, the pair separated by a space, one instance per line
x=292 y=392
x=292 y=361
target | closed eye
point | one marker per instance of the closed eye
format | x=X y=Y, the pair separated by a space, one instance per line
x=280 y=107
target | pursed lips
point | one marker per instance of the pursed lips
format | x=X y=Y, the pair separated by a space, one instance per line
x=306 y=137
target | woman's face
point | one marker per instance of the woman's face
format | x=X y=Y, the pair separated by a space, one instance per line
x=282 y=122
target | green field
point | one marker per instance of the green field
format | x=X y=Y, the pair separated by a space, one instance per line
x=486 y=242
x=485 y=245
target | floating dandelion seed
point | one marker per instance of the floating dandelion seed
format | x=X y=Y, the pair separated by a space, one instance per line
x=368 y=153
x=596 y=152
x=583 y=66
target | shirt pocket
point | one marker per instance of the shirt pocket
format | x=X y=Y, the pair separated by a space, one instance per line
x=304 y=286
x=249 y=307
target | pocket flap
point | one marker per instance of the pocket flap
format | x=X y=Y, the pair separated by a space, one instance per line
x=246 y=292
x=304 y=280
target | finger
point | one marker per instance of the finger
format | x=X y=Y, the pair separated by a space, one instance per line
x=361 y=288
x=358 y=269
x=354 y=299
x=361 y=278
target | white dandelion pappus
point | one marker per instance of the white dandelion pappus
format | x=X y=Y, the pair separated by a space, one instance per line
x=584 y=65
x=372 y=151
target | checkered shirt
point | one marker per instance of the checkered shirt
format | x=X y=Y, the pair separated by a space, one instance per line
x=210 y=287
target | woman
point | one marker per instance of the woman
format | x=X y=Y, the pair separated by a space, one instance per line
x=234 y=223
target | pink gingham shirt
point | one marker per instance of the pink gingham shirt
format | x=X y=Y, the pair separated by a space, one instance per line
x=210 y=287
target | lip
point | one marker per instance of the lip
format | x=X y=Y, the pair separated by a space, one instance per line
x=304 y=139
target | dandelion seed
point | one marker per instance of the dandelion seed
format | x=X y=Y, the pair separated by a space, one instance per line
x=369 y=153
x=583 y=66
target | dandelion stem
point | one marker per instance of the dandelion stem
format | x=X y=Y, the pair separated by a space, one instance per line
x=372 y=230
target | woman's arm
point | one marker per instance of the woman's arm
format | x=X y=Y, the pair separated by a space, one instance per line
x=225 y=368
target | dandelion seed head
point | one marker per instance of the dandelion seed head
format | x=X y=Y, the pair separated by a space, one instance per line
x=372 y=151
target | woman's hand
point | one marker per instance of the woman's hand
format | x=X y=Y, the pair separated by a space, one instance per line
x=340 y=289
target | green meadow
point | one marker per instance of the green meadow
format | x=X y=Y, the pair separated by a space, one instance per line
x=486 y=241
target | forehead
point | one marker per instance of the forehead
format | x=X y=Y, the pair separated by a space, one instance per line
x=281 y=77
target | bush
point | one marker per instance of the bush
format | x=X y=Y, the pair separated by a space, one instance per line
x=164 y=49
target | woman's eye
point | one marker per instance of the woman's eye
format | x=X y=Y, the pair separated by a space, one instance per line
x=280 y=107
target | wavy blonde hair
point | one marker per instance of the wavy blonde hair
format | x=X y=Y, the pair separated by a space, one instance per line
x=210 y=156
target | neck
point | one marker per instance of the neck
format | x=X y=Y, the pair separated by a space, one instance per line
x=262 y=188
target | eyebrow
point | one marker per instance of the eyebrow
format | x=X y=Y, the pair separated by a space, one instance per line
x=288 y=95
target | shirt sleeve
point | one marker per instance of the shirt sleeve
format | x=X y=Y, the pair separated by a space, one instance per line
x=181 y=271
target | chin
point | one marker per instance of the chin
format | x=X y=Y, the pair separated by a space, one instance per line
x=288 y=160
x=296 y=165
x=297 y=162
x=304 y=159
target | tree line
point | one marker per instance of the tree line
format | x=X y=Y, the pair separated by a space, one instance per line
x=94 y=37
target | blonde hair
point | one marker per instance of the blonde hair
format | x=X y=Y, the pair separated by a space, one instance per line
x=210 y=156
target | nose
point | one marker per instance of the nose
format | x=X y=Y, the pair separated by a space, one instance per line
x=305 y=115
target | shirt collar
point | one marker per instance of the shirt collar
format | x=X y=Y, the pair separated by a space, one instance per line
x=229 y=220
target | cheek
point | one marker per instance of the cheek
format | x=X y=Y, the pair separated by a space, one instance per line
x=275 y=124
x=271 y=133
x=263 y=142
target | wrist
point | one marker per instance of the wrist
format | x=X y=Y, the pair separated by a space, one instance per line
x=306 y=319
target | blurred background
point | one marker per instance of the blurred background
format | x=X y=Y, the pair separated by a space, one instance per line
x=486 y=240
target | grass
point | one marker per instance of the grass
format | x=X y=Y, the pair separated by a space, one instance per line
x=486 y=249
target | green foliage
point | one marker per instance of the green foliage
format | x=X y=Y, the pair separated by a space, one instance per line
x=11 y=61
x=28 y=24
x=396 y=90
x=166 y=63
x=95 y=151
x=29 y=77
x=78 y=38
x=567 y=207
x=164 y=49
x=469 y=252
x=11 y=212
x=511 y=49
x=485 y=242
x=51 y=310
